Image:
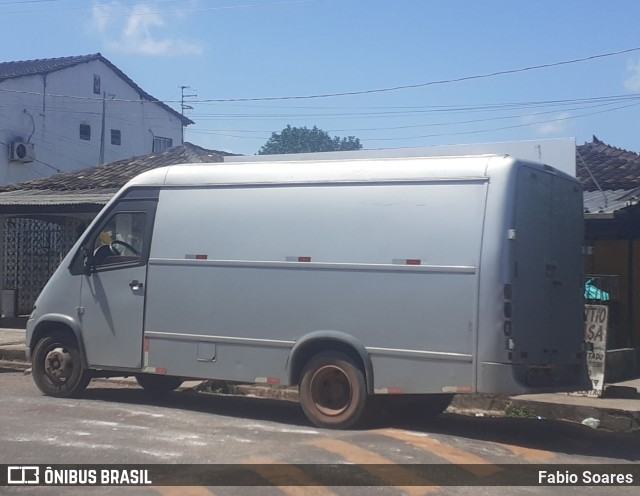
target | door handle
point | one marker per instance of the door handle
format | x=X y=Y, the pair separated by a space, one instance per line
x=136 y=285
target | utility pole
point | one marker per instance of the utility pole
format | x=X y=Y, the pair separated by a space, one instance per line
x=104 y=96
x=184 y=106
x=102 y=130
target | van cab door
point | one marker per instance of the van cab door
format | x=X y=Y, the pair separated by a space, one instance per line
x=112 y=295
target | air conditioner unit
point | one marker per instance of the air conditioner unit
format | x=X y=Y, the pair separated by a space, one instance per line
x=19 y=151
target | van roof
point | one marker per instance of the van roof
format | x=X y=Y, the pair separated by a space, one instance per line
x=306 y=171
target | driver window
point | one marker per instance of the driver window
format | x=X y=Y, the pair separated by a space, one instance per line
x=120 y=240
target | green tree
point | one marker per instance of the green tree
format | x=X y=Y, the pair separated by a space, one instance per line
x=304 y=140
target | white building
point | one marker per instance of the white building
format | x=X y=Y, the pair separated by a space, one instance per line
x=69 y=113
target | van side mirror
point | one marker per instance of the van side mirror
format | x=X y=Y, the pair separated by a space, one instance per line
x=86 y=260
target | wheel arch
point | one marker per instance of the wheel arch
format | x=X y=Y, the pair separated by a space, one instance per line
x=316 y=342
x=58 y=323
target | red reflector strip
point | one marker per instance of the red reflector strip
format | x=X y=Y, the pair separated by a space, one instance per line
x=267 y=380
x=298 y=259
x=146 y=344
x=189 y=256
x=413 y=261
x=160 y=370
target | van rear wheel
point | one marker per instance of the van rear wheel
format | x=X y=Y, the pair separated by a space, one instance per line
x=158 y=384
x=333 y=391
x=57 y=366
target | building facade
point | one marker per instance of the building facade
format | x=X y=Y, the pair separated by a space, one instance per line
x=611 y=180
x=70 y=113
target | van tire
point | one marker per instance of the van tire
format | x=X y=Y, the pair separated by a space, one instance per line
x=158 y=384
x=333 y=391
x=57 y=366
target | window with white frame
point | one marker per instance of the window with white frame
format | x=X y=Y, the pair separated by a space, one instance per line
x=161 y=144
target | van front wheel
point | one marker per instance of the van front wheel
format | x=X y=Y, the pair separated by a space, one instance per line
x=57 y=366
x=333 y=392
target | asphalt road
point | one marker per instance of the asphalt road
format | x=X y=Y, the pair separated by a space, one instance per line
x=115 y=423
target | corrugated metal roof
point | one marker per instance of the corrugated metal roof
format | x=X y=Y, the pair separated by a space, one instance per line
x=604 y=204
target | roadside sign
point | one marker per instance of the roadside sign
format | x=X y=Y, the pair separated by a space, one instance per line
x=595 y=332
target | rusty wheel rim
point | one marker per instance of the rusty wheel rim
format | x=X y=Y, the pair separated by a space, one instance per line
x=331 y=390
x=58 y=365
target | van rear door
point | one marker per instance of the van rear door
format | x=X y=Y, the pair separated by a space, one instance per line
x=547 y=301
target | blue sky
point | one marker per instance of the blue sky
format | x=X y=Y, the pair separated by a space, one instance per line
x=253 y=49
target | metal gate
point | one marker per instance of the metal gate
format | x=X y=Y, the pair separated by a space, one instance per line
x=33 y=249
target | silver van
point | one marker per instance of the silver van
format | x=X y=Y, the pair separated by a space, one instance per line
x=406 y=280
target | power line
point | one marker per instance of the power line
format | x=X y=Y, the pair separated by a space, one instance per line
x=488 y=119
x=353 y=93
x=506 y=127
x=436 y=108
x=385 y=111
x=432 y=83
x=13 y=2
x=226 y=133
x=111 y=6
x=420 y=113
